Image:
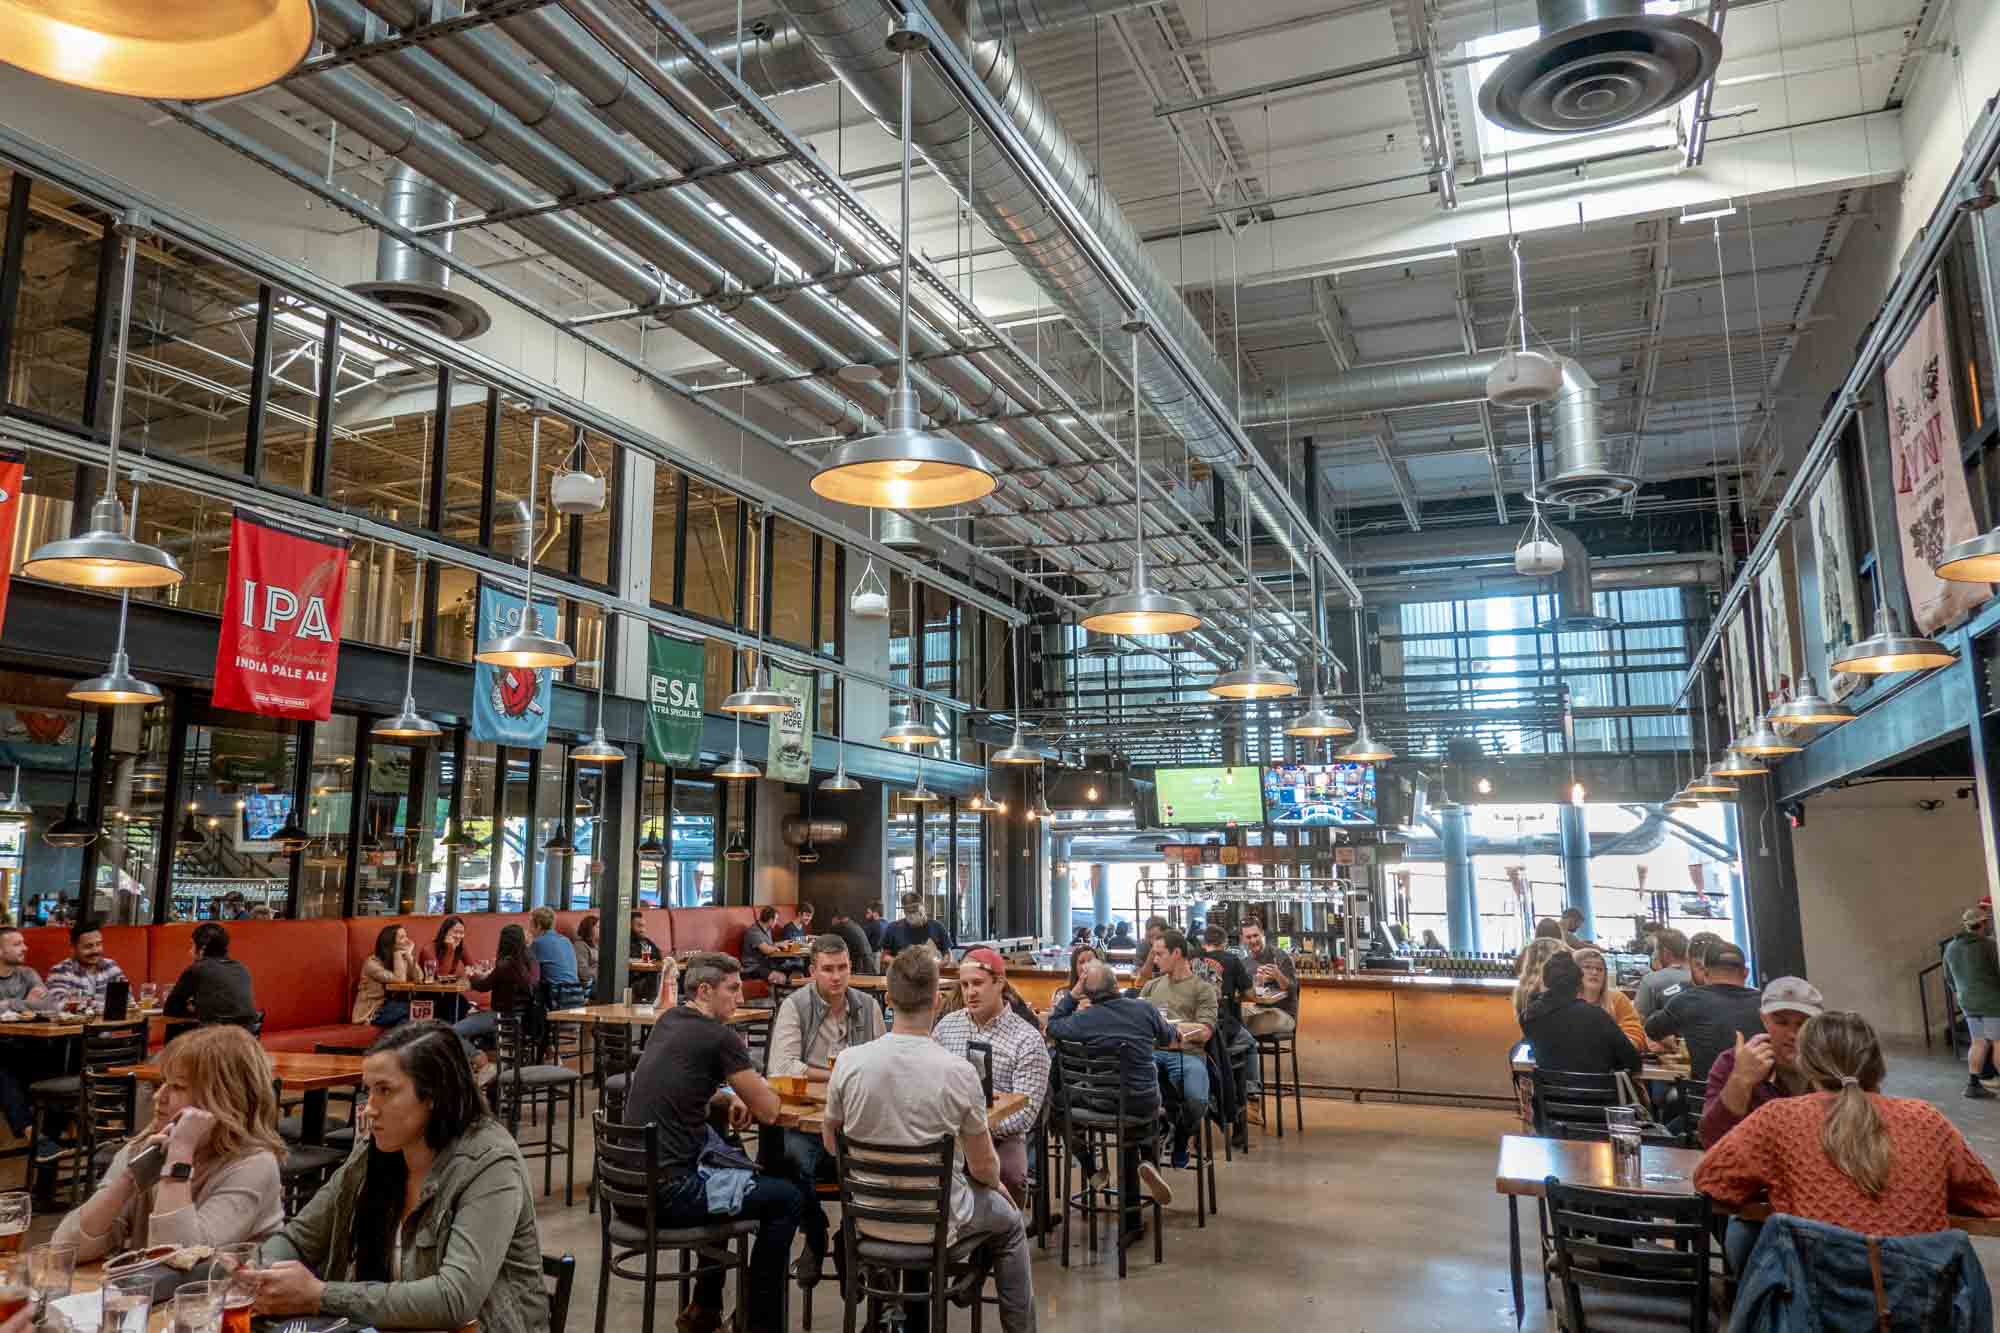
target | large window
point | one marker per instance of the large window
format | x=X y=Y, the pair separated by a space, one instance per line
x=57 y=318
x=237 y=788
x=713 y=553
x=790 y=579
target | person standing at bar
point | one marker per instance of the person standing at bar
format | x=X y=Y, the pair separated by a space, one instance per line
x=916 y=927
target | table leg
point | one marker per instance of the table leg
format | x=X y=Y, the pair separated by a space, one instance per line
x=1514 y=1257
x=312 y=1119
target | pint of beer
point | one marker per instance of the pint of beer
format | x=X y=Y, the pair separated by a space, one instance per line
x=16 y=1211
x=15 y=1290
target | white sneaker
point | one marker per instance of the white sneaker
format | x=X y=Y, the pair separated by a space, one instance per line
x=1156 y=1184
x=1100 y=1179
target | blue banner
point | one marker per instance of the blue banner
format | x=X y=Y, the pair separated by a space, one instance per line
x=510 y=705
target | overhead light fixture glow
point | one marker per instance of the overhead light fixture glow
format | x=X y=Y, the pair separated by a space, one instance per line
x=525 y=647
x=1809 y=708
x=142 y=48
x=1889 y=650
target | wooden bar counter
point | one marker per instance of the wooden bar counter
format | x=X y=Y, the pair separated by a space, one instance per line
x=1386 y=1033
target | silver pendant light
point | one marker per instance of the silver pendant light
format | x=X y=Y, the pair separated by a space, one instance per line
x=1808 y=708
x=1017 y=753
x=409 y=725
x=1140 y=610
x=759 y=699
x=598 y=751
x=14 y=807
x=1252 y=680
x=72 y=830
x=1889 y=650
x=1317 y=722
x=736 y=768
x=840 y=782
x=118 y=685
x=105 y=554
x=906 y=466
x=525 y=647
x=1364 y=748
x=909 y=731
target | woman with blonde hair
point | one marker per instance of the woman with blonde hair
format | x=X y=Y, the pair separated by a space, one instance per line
x=215 y=1179
x=1533 y=959
x=1843 y=1153
x=1598 y=990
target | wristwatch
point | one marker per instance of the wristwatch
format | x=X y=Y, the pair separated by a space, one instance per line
x=182 y=1171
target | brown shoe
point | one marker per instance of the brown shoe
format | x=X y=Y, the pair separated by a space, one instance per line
x=694 y=1319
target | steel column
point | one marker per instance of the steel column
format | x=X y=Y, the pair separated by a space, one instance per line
x=1461 y=889
x=1575 y=834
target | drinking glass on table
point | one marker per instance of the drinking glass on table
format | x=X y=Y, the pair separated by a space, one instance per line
x=51 y=1269
x=198 y=1307
x=126 y=1304
x=235 y=1267
x=149 y=994
x=17 y=1209
x=15 y=1291
x=1623 y=1124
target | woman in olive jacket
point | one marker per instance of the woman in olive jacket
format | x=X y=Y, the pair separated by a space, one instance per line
x=431 y=1224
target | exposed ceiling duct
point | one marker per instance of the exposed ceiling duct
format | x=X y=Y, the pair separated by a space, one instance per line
x=1598 y=63
x=899 y=532
x=1575 y=607
x=410 y=282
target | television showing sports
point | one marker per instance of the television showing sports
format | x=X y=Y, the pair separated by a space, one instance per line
x=1320 y=795
x=264 y=813
x=1207 y=797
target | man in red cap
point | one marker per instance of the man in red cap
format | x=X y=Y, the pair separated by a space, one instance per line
x=1020 y=1055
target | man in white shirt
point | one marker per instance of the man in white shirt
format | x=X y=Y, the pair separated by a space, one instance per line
x=907 y=1089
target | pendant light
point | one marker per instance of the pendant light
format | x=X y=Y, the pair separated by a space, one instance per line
x=737 y=849
x=190 y=830
x=118 y=685
x=104 y=555
x=651 y=848
x=909 y=732
x=291 y=837
x=759 y=700
x=14 y=807
x=736 y=768
x=1252 y=680
x=1974 y=560
x=840 y=782
x=1764 y=741
x=1808 y=708
x=598 y=751
x=923 y=795
x=1040 y=810
x=1707 y=782
x=561 y=844
x=1737 y=763
x=525 y=647
x=808 y=853
x=1317 y=722
x=458 y=840
x=1017 y=753
x=1889 y=650
x=72 y=830
x=143 y=48
x=1140 y=610
x=905 y=466
x=409 y=725
x=1364 y=748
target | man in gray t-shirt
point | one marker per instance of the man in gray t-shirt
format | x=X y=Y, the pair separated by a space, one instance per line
x=17 y=982
x=1669 y=976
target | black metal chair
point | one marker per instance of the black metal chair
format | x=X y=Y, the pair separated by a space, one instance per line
x=615 y=1054
x=1570 y=1105
x=110 y=1118
x=908 y=1187
x=1097 y=1117
x=522 y=1083
x=629 y=1183
x=560 y=1269
x=1272 y=1048
x=69 y=1167
x=1627 y=1261
x=304 y=1167
x=291 y=1128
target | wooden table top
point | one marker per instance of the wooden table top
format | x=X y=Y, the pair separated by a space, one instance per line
x=442 y=986
x=1656 y=1069
x=643 y=1013
x=66 y=1026
x=646 y=965
x=808 y=1114
x=880 y=985
x=300 y=1071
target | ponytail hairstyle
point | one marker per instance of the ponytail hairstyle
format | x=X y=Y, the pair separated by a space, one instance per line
x=1838 y=1053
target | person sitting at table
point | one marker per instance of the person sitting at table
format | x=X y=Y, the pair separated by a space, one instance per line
x=1189 y=1003
x=585 y=945
x=19 y=986
x=1843 y=1153
x=214 y=988
x=1081 y=955
x=906 y=1090
x=1699 y=944
x=1096 y=1011
x=645 y=985
x=858 y=949
x=1020 y=1056
x=445 y=956
x=514 y=981
x=430 y=1223
x=1598 y=990
x=394 y=959
x=916 y=927
x=1570 y=1034
x=1142 y=962
x=555 y=959
x=1230 y=975
x=1709 y=1016
x=812 y=1028
x=1764 y=1067
x=1669 y=975
x=81 y=978
x=215 y=1121
x=1534 y=960
x=872 y=926
x=759 y=953
x=696 y=1062
x=800 y=927
x=1271 y=969
x=1121 y=935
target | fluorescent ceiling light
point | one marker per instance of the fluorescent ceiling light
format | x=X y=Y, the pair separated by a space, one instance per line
x=1725 y=211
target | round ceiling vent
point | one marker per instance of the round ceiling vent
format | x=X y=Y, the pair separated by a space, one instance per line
x=1585 y=486
x=1614 y=63
x=439 y=309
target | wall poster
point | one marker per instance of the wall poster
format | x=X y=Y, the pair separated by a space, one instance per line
x=1833 y=557
x=1933 y=508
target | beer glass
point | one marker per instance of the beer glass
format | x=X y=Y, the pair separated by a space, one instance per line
x=198 y=1307
x=235 y=1266
x=17 y=1209
x=15 y=1291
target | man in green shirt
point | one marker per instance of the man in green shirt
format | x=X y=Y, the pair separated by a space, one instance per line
x=1189 y=1003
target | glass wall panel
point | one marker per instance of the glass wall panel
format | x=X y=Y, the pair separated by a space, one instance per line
x=735 y=890
x=653 y=871
x=196 y=529
x=510 y=488
x=696 y=812
x=188 y=369
x=58 y=306
x=666 y=509
x=791 y=584
x=519 y=847
x=291 y=405
x=51 y=741
x=236 y=790
x=902 y=849
x=711 y=553
x=832 y=597
x=970 y=874
x=555 y=812
x=464 y=480
x=380 y=455
x=595 y=789
x=380 y=602
x=593 y=563
x=583 y=627
x=476 y=868
x=329 y=817
x=426 y=814
x=388 y=871
x=937 y=868
x=131 y=798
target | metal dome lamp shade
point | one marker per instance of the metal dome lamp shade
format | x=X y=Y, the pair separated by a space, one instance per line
x=736 y=768
x=738 y=850
x=1889 y=650
x=1316 y=722
x=808 y=853
x=458 y=840
x=14 y=807
x=1974 y=560
x=525 y=647
x=142 y=48
x=1017 y=753
x=906 y=466
x=1764 y=741
x=1140 y=610
x=840 y=782
x=598 y=751
x=291 y=837
x=651 y=848
x=72 y=830
x=1252 y=680
x=1808 y=708
x=911 y=733
x=409 y=725
x=759 y=700
x=104 y=554
x=561 y=844
x=1364 y=748
x=1737 y=764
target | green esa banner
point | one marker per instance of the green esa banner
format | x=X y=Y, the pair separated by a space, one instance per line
x=674 y=670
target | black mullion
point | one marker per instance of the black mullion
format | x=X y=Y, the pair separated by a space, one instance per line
x=329 y=367
x=840 y=601
x=93 y=810
x=303 y=743
x=528 y=844
x=458 y=757
x=423 y=775
x=742 y=566
x=357 y=812
x=818 y=566
x=440 y=452
x=765 y=541
x=489 y=468
x=10 y=272
x=260 y=383
x=680 y=540
x=614 y=558
x=109 y=259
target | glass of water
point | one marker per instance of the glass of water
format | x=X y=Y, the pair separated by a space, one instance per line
x=198 y=1307
x=127 y=1302
x=1623 y=1124
x=51 y=1270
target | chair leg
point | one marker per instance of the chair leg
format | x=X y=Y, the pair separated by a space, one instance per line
x=569 y=1154
x=604 y=1286
x=653 y=1285
x=1208 y=1155
x=1298 y=1103
x=1067 y=1156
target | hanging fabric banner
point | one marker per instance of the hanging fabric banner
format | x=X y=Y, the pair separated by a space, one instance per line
x=674 y=669
x=790 y=756
x=1738 y=680
x=280 y=642
x=1933 y=509
x=13 y=466
x=1833 y=571
x=510 y=705
x=1774 y=595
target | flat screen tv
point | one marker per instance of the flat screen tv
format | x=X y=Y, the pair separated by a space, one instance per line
x=1207 y=797
x=1320 y=795
x=264 y=813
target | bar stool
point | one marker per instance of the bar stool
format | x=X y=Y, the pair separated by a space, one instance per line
x=1274 y=1047
x=535 y=1086
x=1096 y=1119
x=105 y=1046
x=629 y=1178
x=909 y=1187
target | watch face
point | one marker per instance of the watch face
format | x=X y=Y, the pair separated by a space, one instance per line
x=180 y=1171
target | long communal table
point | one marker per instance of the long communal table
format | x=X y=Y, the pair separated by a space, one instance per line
x=311 y=1074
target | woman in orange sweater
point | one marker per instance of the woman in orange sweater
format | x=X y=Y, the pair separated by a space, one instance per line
x=1598 y=990
x=1843 y=1153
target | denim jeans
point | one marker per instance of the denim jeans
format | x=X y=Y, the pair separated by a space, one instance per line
x=393 y=1013
x=802 y=1155
x=775 y=1205
x=996 y=1222
x=14 y=1101
x=1186 y=1072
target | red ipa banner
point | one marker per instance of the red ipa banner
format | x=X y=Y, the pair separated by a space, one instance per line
x=13 y=466
x=281 y=619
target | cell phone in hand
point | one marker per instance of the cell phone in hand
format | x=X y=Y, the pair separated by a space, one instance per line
x=147 y=1163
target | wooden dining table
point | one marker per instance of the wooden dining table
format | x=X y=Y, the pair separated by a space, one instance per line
x=1656 y=1068
x=63 y=1026
x=808 y=1114
x=643 y=1015
x=311 y=1074
x=88 y=1279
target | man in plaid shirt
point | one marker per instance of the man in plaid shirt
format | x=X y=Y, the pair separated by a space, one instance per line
x=1020 y=1055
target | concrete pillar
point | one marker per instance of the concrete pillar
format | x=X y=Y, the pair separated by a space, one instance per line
x=1057 y=930
x=1461 y=894
x=1100 y=895
x=1575 y=833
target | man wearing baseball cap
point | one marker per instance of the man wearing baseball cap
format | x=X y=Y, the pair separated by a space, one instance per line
x=1020 y=1055
x=1764 y=1066
x=1975 y=978
x=1710 y=1016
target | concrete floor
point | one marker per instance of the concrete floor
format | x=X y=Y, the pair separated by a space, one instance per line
x=1381 y=1217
